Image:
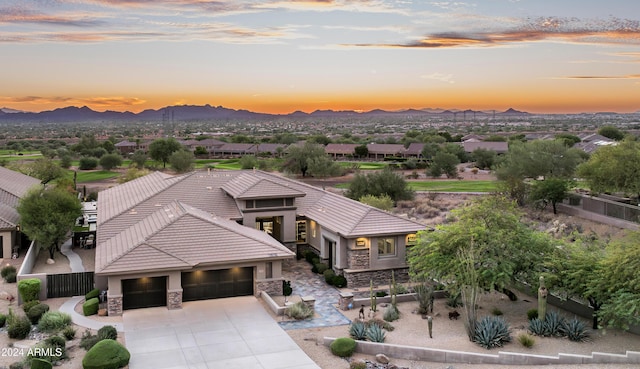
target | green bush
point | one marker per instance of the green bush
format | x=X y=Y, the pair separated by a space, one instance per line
x=343 y=346
x=55 y=341
x=88 y=163
x=108 y=332
x=532 y=314
x=11 y=277
x=375 y=333
x=37 y=363
x=381 y=293
x=526 y=340
x=319 y=267
x=329 y=274
x=28 y=305
x=358 y=330
x=299 y=311
x=35 y=313
x=3 y=320
x=5 y=271
x=91 y=294
x=492 y=331
x=309 y=256
x=106 y=354
x=18 y=327
x=54 y=321
x=69 y=333
x=339 y=281
x=29 y=289
x=90 y=307
x=88 y=340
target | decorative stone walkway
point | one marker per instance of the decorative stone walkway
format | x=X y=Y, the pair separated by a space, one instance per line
x=306 y=283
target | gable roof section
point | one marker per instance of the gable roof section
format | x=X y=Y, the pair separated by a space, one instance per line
x=158 y=242
x=9 y=217
x=498 y=146
x=387 y=149
x=340 y=148
x=247 y=186
x=14 y=185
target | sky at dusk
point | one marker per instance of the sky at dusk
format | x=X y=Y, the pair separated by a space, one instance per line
x=541 y=56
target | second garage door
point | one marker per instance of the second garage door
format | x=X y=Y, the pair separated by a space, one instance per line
x=212 y=284
x=144 y=292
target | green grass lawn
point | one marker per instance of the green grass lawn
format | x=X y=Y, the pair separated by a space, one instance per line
x=363 y=165
x=230 y=164
x=93 y=176
x=454 y=186
x=6 y=152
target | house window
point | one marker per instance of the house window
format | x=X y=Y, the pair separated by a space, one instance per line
x=301 y=231
x=268 y=203
x=268 y=270
x=386 y=246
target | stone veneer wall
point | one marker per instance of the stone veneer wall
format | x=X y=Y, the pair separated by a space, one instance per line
x=114 y=305
x=174 y=299
x=358 y=259
x=357 y=278
x=273 y=287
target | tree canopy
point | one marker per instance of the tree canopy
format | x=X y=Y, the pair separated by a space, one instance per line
x=110 y=161
x=161 y=149
x=47 y=216
x=551 y=190
x=182 y=161
x=298 y=157
x=45 y=170
x=611 y=132
x=385 y=182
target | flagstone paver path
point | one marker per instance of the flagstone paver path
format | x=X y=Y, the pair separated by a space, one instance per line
x=306 y=283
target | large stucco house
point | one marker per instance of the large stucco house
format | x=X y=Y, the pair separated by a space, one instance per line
x=163 y=239
x=13 y=186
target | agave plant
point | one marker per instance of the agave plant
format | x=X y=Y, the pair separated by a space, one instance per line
x=492 y=331
x=536 y=326
x=375 y=333
x=554 y=324
x=576 y=330
x=358 y=330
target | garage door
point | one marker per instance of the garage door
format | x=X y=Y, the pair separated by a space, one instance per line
x=213 y=284
x=144 y=292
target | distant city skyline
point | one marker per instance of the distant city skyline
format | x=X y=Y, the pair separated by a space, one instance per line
x=272 y=56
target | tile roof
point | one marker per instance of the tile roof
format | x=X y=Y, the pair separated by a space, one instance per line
x=498 y=147
x=158 y=242
x=415 y=148
x=14 y=185
x=247 y=186
x=9 y=217
x=340 y=148
x=391 y=149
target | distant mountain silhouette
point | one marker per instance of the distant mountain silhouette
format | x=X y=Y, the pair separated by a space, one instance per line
x=204 y=112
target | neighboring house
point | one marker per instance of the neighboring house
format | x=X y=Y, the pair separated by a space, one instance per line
x=340 y=150
x=381 y=151
x=270 y=149
x=414 y=150
x=126 y=147
x=472 y=145
x=235 y=150
x=13 y=186
x=166 y=239
x=209 y=144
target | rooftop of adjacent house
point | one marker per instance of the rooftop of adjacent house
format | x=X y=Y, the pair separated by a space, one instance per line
x=158 y=242
x=340 y=148
x=9 y=217
x=131 y=202
x=14 y=185
x=125 y=143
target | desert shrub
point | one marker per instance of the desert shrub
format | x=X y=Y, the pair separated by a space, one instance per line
x=526 y=340
x=576 y=330
x=496 y=312
x=401 y=289
x=391 y=313
x=532 y=314
x=28 y=305
x=380 y=323
x=299 y=311
x=492 y=331
x=339 y=281
x=106 y=354
x=69 y=333
x=18 y=327
x=51 y=349
x=343 y=346
x=92 y=294
x=424 y=295
x=358 y=330
x=35 y=313
x=90 y=307
x=88 y=163
x=454 y=300
x=88 y=340
x=375 y=333
x=54 y=321
x=329 y=274
x=29 y=289
x=38 y=363
x=6 y=271
x=55 y=341
x=358 y=365
x=3 y=320
x=11 y=277
x=107 y=332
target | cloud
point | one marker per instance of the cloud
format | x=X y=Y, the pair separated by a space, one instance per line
x=447 y=78
x=24 y=15
x=570 y=30
x=629 y=76
x=103 y=102
x=452 y=5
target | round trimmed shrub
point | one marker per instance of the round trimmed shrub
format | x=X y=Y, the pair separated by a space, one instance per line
x=37 y=363
x=54 y=321
x=343 y=346
x=6 y=271
x=329 y=274
x=35 y=313
x=28 y=305
x=91 y=294
x=90 y=307
x=11 y=277
x=339 y=281
x=29 y=289
x=106 y=354
x=108 y=332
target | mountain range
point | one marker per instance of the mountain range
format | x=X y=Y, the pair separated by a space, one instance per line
x=204 y=112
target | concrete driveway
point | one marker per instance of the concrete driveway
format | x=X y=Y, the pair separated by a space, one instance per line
x=224 y=333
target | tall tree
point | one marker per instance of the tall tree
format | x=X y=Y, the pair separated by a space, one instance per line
x=182 y=161
x=385 y=182
x=614 y=168
x=297 y=157
x=323 y=167
x=161 y=149
x=110 y=161
x=47 y=216
x=45 y=170
x=611 y=132
x=446 y=163
x=551 y=190
x=139 y=158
